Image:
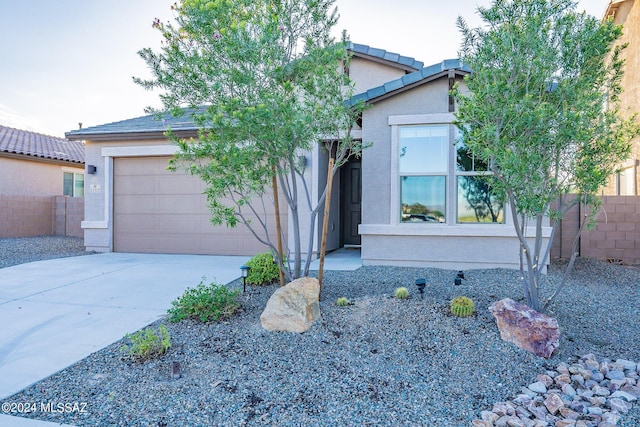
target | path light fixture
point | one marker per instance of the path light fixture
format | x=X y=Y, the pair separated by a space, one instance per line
x=421 y=283
x=176 y=371
x=458 y=280
x=245 y=272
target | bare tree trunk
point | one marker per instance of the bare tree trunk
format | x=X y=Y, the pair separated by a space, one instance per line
x=325 y=222
x=276 y=204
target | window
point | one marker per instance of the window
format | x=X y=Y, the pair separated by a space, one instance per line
x=476 y=201
x=73 y=184
x=626 y=182
x=436 y=171
x=423 y=165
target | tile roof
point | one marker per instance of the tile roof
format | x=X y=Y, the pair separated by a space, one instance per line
x=31 y=144
x=404 y=61
x=150 y=123
x=405 y=81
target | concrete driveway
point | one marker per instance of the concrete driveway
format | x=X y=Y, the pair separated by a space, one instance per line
x=56 y=312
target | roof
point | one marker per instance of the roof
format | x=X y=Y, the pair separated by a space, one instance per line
x=395 y=59
x=144 y=127
x=411 y=80
x=32 y=144
x=152 y=126
x=612 y=9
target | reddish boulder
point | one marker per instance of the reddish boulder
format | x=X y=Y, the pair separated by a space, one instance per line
x=526 y=328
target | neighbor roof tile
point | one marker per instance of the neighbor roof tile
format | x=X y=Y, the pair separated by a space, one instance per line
x=27 y=143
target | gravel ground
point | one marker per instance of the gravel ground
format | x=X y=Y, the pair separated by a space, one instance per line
x=20 y=250
x=379 y=362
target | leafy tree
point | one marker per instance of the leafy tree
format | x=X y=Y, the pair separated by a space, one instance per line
x=542 y=111
x=264 y=81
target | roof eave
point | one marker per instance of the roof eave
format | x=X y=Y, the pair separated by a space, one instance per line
x=129 y=136
x=32 y=158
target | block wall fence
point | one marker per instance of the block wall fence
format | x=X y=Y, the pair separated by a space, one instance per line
x=615 y=238
x=26 y=216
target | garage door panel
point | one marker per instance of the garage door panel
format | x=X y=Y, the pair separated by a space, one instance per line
x=138 y=185
x=135 y=205
x=177 y=184
x=177 y=205
x=158 y=211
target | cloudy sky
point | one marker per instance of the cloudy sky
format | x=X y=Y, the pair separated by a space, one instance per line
x=69 y=61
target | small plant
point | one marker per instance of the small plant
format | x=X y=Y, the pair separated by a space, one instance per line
x=343 y=302
x=462 y=307
x=401 y=293
x=206 y=302
x=147 y=343
x=263 y=270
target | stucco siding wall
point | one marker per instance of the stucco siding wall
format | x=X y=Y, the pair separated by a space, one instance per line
x=387 y=241
x=32 y=178
x=368 y=74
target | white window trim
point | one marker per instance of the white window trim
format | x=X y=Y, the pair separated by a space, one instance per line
x=416 y=119
x=74 y=172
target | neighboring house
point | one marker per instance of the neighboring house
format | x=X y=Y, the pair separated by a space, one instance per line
x=34 y=169
x=412 y=199
x=627 y=14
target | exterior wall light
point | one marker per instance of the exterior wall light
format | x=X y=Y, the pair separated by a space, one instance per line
x=91 y=169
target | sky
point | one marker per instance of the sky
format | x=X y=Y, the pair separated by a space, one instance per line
x=65 y=62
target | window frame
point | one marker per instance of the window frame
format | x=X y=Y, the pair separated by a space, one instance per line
x=427 y=172
x=76 y=191
x=451 y=175
x=470 y=173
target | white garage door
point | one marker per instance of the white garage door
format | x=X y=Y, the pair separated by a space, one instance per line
x=158 y=211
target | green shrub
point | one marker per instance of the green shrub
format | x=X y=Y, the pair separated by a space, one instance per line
x=206 y=302
x=401 y=293
x=263 y=270
x=343 y=302
x=462 y=307
x=147 y=344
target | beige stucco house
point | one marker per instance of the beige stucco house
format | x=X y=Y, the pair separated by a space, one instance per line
x=410 y=200
x=627 y=14
x=34 y=168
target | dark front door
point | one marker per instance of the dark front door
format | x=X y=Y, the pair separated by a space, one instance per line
x=350 y=200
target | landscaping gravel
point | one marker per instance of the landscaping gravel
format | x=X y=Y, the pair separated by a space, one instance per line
x=380 y=361
x=20 y=250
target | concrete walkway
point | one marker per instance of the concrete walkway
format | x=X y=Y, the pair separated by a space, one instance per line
x=56 y=312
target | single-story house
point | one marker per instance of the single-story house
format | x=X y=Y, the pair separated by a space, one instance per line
x=410 y=200
x=33 y=169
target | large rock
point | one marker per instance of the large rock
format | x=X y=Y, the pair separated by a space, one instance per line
x=526 y=328
x=294 y=307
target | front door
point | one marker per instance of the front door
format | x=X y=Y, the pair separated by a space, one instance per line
x=350 y=201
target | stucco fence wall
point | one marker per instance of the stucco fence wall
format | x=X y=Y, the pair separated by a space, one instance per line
x=615 y=238
x=25 y=216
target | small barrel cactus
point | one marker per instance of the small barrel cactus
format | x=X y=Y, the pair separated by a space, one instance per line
x=401 y=293
x=462 y=307
x=342 y=302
